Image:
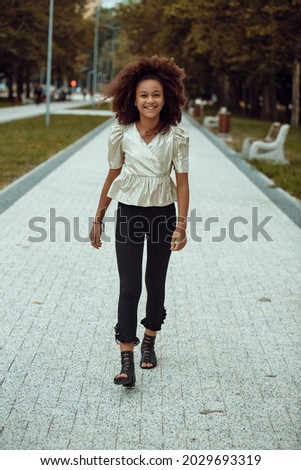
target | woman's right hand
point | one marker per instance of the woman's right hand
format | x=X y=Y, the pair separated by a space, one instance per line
x=95 y=235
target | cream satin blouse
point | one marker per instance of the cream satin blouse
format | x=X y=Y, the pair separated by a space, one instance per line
x=145 y=176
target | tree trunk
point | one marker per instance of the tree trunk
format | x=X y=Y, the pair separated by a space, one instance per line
x=253 y=102
x=222 y=89
x=295 y=117
x=268 y=109
x=27 y=82
x=10 y=88
x=20 y=83
x=233 y=97
x=226 y=91
x=244 y=99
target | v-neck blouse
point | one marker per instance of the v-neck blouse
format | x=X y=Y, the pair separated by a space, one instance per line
x=145 y=178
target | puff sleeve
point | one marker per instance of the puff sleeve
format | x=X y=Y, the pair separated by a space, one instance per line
x=180 y=150
x=115 y=152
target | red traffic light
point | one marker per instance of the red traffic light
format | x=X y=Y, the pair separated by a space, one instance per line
x=73 y=83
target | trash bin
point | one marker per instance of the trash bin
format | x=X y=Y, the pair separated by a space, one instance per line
x=224 y=121
x=197 y=111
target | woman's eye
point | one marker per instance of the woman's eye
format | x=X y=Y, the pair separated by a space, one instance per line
x=156 y=95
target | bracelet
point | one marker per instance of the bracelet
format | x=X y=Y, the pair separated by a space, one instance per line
x=99 y=223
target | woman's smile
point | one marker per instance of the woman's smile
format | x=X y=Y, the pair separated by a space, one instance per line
x=149 y=98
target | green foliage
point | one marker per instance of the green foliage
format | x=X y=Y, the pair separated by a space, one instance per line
x=72 y=35
x=23 y=31
x=253 y=39
x=287 y=177
x=160 y=28
x=27 y=143
x=24 y=36
x=221 y=43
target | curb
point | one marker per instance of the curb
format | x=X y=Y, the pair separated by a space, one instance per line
x=17 y=189
x=287 y=203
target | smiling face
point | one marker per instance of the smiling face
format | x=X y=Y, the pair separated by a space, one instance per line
x=149 y=99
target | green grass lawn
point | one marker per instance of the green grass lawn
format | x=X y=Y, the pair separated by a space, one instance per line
x=97 y=107
x=288 y=177
x=7 y=104
x=26 y=143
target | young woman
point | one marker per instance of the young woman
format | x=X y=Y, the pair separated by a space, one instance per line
x=143 y=148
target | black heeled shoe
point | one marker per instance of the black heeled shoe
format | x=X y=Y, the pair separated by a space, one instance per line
x=148 y=351
x=128 y=368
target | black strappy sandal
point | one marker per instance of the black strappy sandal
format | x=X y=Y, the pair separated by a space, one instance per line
x=148 y=351
x=128 y=368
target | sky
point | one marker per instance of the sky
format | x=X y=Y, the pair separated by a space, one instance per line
x=109 y=3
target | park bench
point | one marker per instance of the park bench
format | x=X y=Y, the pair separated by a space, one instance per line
x=211 y=121
x=271 y=135
x=271 y=147
x=214 y=121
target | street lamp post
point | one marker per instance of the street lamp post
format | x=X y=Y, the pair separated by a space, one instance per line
x=113 y=52
x=114 y=30
x=95 y=53
x=49 y=62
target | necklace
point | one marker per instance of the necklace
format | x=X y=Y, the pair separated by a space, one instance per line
x=149 y=133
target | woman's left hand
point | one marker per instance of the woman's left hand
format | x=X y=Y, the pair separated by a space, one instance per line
x=179 y=239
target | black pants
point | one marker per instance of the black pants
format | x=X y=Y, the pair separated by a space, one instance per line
x=135 y=224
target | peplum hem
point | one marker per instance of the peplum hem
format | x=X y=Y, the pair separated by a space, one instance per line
x=143 y=190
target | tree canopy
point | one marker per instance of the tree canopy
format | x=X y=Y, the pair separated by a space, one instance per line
x=24 y=35
x=246 y=53
x=237 y=48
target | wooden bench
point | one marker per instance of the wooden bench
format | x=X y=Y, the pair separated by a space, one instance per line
x=271 y=147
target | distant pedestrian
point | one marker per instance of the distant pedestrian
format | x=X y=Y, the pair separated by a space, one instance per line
x=38 y=92
x=84 y=93
x=143 y=148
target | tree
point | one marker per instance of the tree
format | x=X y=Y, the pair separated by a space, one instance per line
x=160 y=28
x=245 y=48
x=23 y=31
x=23 y=40
x=288 y=15
x=72 y=38
x=250 y=43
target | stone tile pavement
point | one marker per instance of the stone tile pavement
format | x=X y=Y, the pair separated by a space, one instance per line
x=13 y=113
x=229 y=353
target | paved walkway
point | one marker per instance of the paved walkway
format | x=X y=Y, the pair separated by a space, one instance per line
x=13 y=113
x=228 y=377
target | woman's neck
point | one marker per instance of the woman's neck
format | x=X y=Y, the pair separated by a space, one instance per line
x=148 y=125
